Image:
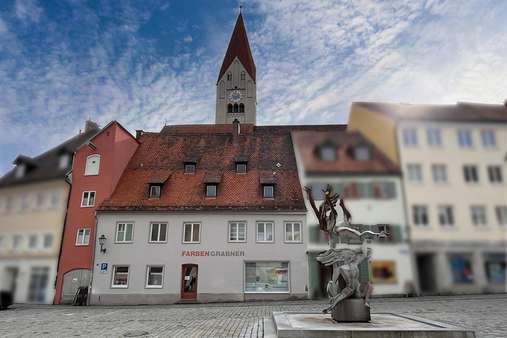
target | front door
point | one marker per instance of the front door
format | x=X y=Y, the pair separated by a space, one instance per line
x=189 y=281
x=72 y=280
x=11 y=279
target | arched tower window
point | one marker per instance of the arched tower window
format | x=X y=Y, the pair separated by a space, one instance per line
x=229 y=108
x=242 y=75
x=241 y=108
x=229 y=76
x=235 y=107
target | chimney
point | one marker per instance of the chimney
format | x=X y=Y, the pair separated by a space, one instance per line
x=139 y=133
x=90 y=125
x=236 y=130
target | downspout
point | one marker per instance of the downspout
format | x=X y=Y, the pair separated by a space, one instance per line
x=94 y=246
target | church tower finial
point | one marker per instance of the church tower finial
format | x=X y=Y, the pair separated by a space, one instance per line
x=236 y=84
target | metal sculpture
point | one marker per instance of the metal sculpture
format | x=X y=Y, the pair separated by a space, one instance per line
x=345 y=261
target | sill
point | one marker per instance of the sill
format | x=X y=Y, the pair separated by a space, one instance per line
x=153 y=198
x=125 y=242
x=268 y=198
x=236 y=241
x=83 y=244
x=293 y=242
x=157 y=242
x=119 y=286
x=261 y=292
x=191 y=242
x=265 y=242
x=87 y=206
x=153 y=287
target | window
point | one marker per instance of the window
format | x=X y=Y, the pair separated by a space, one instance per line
x=229 y=108
x=478 y=215
x=293 y=232
x=20 y=170
x=488 y=138
x=495 y=266
x=124 y=232
x=48 y=241
x=211 y=190
x=465 y=138
x=64 y=160
x=434 y=137
x=2 y=242
x=55 y=199
x=439 y=172
x=17 y=241
x=470 y=173
x=241 y=167
x=237 y=231
x=241 y=108
x=38 y=284
x=32 y=241
x=88 y=199
x=268 y=191
x=501 y=214
x=158 y=232
x=120 y=276
x=235 y=108
x=414 y=172
x=40 y=199
x=328 y=153
x=189 y=168
x=445 y=215
x=83 y=237
x=264 y=232
x=242 y=75
x=191 y=232
x=267 y=277
x=92 y=165
x=420 y=215
x=154 y=276
x=155 y=190
x=461 y=268
x=229 y=77
x=362 y=153
x=409 y=137
x=495 y=174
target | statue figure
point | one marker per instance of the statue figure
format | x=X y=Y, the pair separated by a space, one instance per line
x=345 y=261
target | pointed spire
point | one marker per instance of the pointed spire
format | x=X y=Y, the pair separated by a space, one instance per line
x=240 y=48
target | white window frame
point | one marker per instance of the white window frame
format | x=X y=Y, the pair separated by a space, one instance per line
x=88 y=171
x=417 y=211
x=497 y=177
x=35 y=238
x=209 y=185
x=264 y=186
x=440 y=208
x=409 y=137
x=148 y=268
x=155 y=186
x=501 y=211
x=439 y=176
x=124 y=233
x=292 y=231
x=434 y=137
x=414 y=173
x=265 y=227
x=191 y=233
x=488 y=138
x=478 y=215
x=85 y=203
x=465 y=138
x=158 y=232
x=44 y=241
x=468 y=170
x=83 y=242
x=117 y=286
x=230 y=226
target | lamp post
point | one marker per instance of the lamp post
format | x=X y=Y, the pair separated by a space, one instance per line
x=102 y=242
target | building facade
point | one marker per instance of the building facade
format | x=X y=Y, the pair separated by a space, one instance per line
x=453 y=159
x=371 y=187
x=97 y=167
x=204 y=213
x=33 y=202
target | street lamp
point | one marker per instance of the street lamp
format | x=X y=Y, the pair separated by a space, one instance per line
x=102 y=242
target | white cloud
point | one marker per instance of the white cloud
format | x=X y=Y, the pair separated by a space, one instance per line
x=187 y=39
x=28 y=10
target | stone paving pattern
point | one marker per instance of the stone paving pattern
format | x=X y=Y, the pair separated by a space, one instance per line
x=486 y=314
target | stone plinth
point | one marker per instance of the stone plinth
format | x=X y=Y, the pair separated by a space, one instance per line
x=382 y=325
x=351 y=310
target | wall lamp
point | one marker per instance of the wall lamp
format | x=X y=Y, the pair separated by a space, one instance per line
x=102 y=242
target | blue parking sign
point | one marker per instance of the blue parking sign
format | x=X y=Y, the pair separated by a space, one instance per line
x=103 y=267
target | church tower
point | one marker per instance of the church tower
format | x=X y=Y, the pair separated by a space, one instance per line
x=236 y=90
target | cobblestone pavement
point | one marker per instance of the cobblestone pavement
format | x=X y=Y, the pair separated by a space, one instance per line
x=486 y=314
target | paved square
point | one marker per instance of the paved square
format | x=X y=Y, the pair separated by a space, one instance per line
x=486 y=314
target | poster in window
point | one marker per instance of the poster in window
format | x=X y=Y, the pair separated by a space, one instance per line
x=461 y=268
x=383 y=272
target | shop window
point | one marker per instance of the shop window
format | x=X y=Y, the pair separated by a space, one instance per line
x=383 y=272
x=124 y=232
x=293 y=232
x=38 y=285
x=83 y=237
x=120 y=276
x=88 y=199
x=264 y=232
x=191 y=232
x=158 y=232
x=237 y=231
x=267 y=277
x=92 y=165
x=461 y=269
x=154 y=276
x=495 y=266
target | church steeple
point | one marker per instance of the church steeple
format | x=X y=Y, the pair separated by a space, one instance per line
x=236 y=84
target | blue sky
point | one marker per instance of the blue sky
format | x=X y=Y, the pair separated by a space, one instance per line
x=146 y=63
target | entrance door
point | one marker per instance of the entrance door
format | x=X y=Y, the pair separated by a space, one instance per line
x=38 y=285
x=72 y=280
x=189 y=281
x=11 y=279
x=426 y=272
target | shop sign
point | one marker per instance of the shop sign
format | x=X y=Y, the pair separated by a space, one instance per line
x=212 y=253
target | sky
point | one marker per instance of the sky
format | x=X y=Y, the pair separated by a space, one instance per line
x=149 y=63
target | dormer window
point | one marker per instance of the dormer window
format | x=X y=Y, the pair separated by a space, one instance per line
x=189 y=168
x=211 y=189
x=362 y=153
x=155 y=190
x=20 y=170
x=241 y=167
x=268 y=191
x=328 y=153
x=64 y=161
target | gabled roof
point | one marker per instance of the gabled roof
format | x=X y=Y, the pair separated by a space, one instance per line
x=238 y=48
x=308 y=142
x=460 y=112
x=46 y=165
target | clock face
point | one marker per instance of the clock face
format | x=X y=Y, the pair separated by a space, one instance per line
x=235 y=96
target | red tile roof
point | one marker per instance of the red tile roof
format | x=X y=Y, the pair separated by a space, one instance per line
x=462 y=111
x=269 y=152
x=308 y=142
x=240 y=48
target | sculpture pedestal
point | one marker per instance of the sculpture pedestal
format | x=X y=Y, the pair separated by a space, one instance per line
x=351 y=310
